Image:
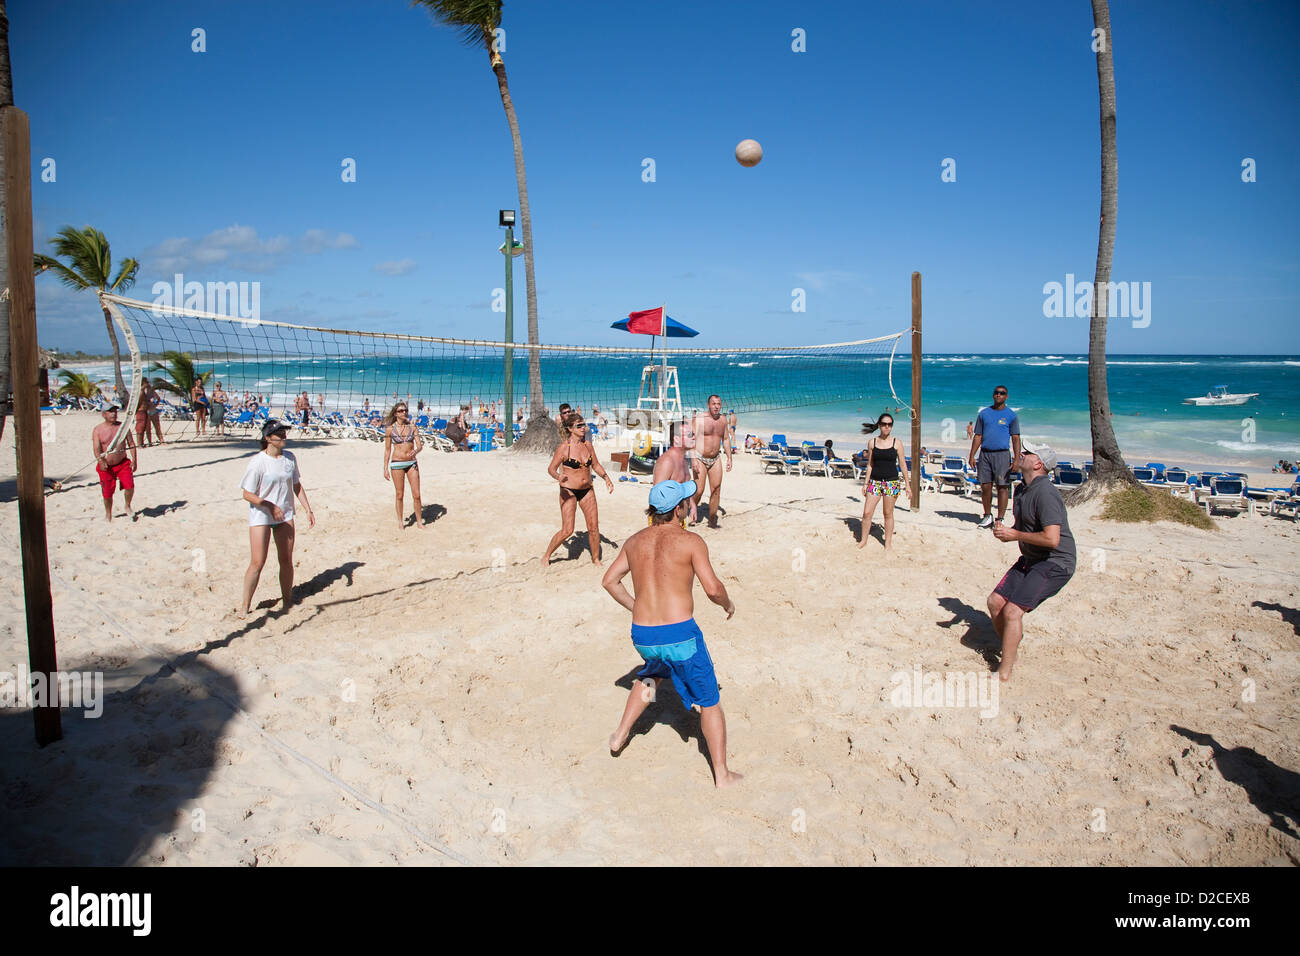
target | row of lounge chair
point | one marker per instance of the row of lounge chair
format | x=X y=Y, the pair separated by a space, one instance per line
x=780 y=456
x=358 y=425
x=1216 y=492
x=1222 y=491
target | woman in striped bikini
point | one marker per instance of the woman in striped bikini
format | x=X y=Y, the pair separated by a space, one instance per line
x=401 y=444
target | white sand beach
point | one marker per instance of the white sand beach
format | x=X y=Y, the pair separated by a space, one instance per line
x=438 y=697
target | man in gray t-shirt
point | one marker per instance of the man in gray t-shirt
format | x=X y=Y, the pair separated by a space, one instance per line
x=1047 y=556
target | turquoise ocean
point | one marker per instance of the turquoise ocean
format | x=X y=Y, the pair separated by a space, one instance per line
x=830 y=396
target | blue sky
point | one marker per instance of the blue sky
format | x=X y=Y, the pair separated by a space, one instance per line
x=225 y=165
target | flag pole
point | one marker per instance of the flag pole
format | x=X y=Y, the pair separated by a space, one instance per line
x=663 y=375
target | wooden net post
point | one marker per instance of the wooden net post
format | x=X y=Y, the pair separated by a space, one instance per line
x=15 y=141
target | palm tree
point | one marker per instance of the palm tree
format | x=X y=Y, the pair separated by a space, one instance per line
x=77 y=384
x=90 y=265
x=1108 y=462
x=6 y=99
x=181 y=374
x=477 y=21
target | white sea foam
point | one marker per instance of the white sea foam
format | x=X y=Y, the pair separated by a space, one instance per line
x=749 y=364
x=1248 y=446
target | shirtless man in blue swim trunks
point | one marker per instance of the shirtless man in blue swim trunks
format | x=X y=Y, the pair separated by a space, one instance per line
x=665 y=559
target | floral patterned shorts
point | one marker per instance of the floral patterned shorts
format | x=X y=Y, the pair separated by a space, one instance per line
x=883 y=489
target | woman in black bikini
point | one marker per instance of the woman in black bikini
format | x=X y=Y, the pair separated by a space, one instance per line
x=199 y=404
x=886 y=476
x=571 y=466
x=401 y=444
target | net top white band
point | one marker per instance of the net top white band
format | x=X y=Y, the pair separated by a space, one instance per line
x=397 y=336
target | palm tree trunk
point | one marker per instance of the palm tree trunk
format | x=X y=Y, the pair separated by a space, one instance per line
x=6 y=99
x=117 y=356
x=526 y=221
x=1108 y=463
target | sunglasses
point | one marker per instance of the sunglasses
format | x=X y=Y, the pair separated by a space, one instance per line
x=999 y=392
x=399 y=409
x=885 y=424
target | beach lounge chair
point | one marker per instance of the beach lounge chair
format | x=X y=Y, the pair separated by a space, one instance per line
x=772 y=459
x=792 y=460
x=1159 y=468
x=1227 y=494
x=1264 y=497
x=814 y=461
x=927 y=480
x=1148 y=477
x=244 y=420
x=1288 y=506
x=780 y=440
x=841 y=468
x=1068 y=478
x=952 y=475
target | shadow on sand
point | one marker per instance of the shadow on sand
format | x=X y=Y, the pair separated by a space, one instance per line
x=1274 y=790
x=430 y=513
x=117 y=782
x=979 y=635
x=1289 y=614
x=666 y=709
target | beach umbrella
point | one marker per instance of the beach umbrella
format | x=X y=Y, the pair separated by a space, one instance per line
x=656 y=322
x=675 y=329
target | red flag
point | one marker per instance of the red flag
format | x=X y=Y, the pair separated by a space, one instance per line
x=649 y=322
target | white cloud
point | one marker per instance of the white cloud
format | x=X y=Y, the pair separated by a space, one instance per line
x=399 y=267
x=318 y=240
x=819 y=281
x=237 y=248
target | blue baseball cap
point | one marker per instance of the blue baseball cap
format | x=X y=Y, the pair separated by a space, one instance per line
x=667 y=495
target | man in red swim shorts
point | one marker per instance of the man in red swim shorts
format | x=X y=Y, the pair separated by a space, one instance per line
x=111 y=463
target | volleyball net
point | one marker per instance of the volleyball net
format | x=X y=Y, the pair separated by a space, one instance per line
x=273 y=364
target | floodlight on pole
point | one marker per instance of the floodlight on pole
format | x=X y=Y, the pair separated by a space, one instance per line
x=506 y=219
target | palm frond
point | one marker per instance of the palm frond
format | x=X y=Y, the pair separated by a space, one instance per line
x=474 y=20
x=125 y=276
x=44 y=263
x=87 y=260
x=78 y=384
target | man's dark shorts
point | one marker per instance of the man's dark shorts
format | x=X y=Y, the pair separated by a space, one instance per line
x=1029 y=583
x=994 y=467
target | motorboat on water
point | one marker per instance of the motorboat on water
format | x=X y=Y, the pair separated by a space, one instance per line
x=1219 y=395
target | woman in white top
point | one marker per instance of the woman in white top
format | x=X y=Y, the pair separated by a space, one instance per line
x=270 y=483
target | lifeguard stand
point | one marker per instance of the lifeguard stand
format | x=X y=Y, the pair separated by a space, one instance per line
x=660 y=396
